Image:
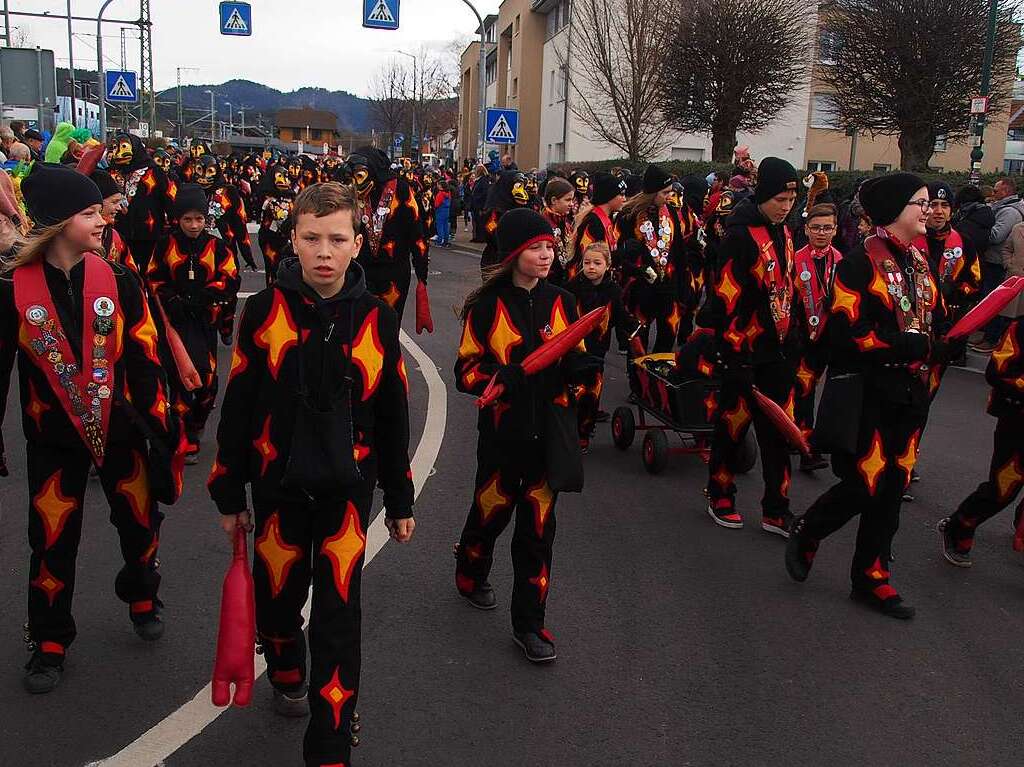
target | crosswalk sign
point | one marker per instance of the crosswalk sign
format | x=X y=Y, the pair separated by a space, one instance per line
x=502 y=126
x=236 y=19
x=380 y=14
x=122 y=87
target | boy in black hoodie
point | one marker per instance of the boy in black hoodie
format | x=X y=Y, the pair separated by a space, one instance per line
x=594 y=287
x=315 y=415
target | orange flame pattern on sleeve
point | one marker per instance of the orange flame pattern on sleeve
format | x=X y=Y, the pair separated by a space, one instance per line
x=278 y=334
x=503 y=336
x=368 y=354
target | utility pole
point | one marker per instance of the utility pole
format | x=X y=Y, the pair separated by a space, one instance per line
x=978 y=152
x=71 y=66
x=414 y=102
x=148 y=106
x=231 y=118
x=213 y=118
x=483 y=78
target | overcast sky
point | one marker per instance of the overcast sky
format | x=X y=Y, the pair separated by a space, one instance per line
x=294 y=42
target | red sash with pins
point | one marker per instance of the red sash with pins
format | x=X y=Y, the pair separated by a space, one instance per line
x=374 y=223
x=780 y=280
x=913 y=297
x=609 y=231
x=84 y=392
x=952 y=253
x=812 y=288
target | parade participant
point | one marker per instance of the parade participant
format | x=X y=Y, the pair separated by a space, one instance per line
x=393 y=245
x=294 y=166
x=756 y=343
x=533 y=189
x=147 y=193
x=310 y=173
x=656 y=284
x=315 y=413
x=815 y=270
x=1005 y=374
x=594 y=286
x=581 y=182
x=510 y=315
x=86 y=347
x=12 y=230
x=426 y=189
x=880 y=340
x=559 y=197
x=227 y=213
x=114 y=247
x=162 y=160
x=954 y=263
x=595 y=224
x=275 y=219
x=195 y=277
x=507 y=193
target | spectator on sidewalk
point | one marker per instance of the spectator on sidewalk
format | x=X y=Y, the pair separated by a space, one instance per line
x=1008 y=211
x=972 y=217
x=442 y=213
x=481 y=187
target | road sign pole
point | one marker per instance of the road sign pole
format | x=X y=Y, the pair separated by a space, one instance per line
x=483 y=78
x=100 y=72
x=978 y=153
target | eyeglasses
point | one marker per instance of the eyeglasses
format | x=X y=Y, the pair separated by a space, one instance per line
x=821 y=228
x=922 y=204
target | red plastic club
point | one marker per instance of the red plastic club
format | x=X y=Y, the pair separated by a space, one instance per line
x=236 y=638
x=182 y=361
x=987 y=308
x=550 y=352
x=782 y=422
x=90 y=159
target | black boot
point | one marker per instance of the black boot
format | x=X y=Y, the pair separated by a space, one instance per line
x=148 y=625
x=44 y=672
x=891 y=607
x=537 y=648
x=800 y=551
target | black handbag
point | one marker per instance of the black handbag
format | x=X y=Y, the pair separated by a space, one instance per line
x=837 y=422
x=321 y=462
x=562 y=452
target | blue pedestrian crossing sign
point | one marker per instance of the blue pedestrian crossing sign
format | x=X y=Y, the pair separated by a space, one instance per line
x=502 y=126
x=380 y=14
x=236 y=19
x=122 y=87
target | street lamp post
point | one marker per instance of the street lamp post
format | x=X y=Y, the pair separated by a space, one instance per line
x=231 y=118
x=482 y=77
x=414 y=102
x=213 y=118
x=100 y=72
x=978 y=152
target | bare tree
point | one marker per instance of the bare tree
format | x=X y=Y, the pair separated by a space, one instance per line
x=388 y=105
x=613 y=64
x=903 y=71
x=733 y=65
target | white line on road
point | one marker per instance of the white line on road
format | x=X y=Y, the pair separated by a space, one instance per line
x=173 y=732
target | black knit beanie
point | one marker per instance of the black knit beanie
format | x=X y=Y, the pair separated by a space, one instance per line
x=885 y=197
x=607 y=187
x=54 y=193
x=774 y=176
x=520 y=228
x=655 y=179
x=108 y=187
x=634 y=185
x=940 y=190
x=191 y=197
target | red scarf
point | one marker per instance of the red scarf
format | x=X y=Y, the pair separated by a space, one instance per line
x=609 y=231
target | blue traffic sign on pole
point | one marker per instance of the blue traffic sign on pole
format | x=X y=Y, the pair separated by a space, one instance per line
x=122 y=87
x=502 y=126
x=380 y=14
x=236 y=19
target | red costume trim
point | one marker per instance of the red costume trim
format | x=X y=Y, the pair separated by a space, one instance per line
x=781 y=284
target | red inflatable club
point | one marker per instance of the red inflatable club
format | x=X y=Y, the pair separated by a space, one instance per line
x=236 y=638
x=423 y=318
x=987 y=308
x=782 y=422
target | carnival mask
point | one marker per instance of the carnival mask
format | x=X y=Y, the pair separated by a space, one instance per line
x=281 y=180
x=206 y=171
x=519 y=191
x=582 y=183
x=124 y=152
x=162 y=160
x=294 y=169
x=197 y=150
x=675 y=197
x=532 y=187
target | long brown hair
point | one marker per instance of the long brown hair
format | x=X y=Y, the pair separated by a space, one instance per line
x=35 y=246
x=637 y=204
x=492 y=276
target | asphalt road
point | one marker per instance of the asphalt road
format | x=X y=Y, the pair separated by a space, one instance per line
x=680 y=643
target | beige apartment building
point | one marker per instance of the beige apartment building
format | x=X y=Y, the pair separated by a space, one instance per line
x=529 y=41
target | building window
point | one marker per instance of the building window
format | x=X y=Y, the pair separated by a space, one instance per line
x=1014 y=167
x=516 y=29
x=695 y=154
x=558 y=83
x=558 y=18
x=515 y=87
x=823 y=111
x=940 y=143
x=880 y=168
x=492 y=72
x=316 y=133
x=828 y=45
x=822 y=165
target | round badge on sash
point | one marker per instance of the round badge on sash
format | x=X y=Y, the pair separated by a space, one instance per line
x=36 y=315
x=805 y=276
x=104 y=392
x=103 y=307
x=905 y=304
x=103 y=325
x=813 y=320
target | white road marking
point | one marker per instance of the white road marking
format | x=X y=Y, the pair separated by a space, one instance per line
x=173 y=732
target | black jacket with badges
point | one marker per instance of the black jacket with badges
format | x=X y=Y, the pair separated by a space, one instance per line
x=503 y=327
x=1005 y=374
x=607 y=293
x=290 y=324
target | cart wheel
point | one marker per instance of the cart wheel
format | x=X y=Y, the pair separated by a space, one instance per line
x=746 y=457
x=655 y=451
x=623 y=428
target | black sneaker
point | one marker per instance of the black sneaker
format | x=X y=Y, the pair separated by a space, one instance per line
x=810 y=463
x=538 y=648
x=799 y=551
x=914 y=476
x=908 y=497
x=148 y=625
x=481 y=597
x=44 y=672
x=724 y=514
x=777 y=524
x=293 y=704
x=950 y=551
x=891 y=607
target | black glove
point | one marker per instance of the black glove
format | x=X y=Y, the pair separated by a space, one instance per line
x=945 y=351
x=513 y=378
x=914 y=347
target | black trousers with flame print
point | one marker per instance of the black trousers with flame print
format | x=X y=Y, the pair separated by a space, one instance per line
x=735 y=411
x=57 y=478
x=318 y=542
x=511 y=481
x=871 y=483
x=588 y=402
x=1005 y=479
